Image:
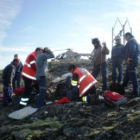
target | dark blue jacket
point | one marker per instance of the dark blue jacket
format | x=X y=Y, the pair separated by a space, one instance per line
x=9 y=73
x=117 y=53
x=132 y=50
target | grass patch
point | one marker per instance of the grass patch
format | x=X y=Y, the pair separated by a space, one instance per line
x=1 y=72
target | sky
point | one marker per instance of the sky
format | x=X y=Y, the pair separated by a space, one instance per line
x=61 y=24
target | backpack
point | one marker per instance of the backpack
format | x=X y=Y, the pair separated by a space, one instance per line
x=114 y=98
x=117 y=88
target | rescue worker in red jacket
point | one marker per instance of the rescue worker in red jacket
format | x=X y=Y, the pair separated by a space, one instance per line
x=28 y=73
x=82 y=80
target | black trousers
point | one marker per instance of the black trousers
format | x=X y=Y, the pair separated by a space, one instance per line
x=29 y=85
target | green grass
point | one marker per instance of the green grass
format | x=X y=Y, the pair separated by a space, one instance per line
x=0 y=72
x=1 y=88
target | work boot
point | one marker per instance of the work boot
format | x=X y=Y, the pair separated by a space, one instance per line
x=93 y=99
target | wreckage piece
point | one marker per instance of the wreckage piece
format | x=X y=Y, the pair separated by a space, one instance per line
x=70 y=54
x=62 y=78
x=22 y=113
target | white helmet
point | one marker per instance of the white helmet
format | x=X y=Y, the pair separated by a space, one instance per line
x=117 y=38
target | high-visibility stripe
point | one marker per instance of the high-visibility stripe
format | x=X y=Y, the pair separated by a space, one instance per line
x=24 y=99
x=81 y=79
x=28 y=76
x=84 y=98
x=32 y=62
x=23 y=103
x=87 y=87
x=74 y=83
x=27 y=64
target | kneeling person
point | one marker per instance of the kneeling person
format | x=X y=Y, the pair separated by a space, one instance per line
x=83 y=81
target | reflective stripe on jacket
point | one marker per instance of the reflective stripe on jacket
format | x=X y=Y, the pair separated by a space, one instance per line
x=29 y=68
x=85 y=80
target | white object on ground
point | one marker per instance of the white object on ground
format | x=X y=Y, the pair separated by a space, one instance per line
x=64 y=76
x=101 y=97
x=22 y=113
x=50 y=102
x=56 y=80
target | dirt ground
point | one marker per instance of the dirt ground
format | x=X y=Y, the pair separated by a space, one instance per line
x=73 y=121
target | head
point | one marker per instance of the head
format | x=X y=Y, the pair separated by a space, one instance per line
x=16 y=62
x=71 y=68
x=45 y=50
x=39 y=49
x=128 y=36
x=117 y=40
x=96 y=42
x=16 y=56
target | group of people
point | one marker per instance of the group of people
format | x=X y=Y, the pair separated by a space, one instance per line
x=33 y=73
x=82 y=82
x=85 y=82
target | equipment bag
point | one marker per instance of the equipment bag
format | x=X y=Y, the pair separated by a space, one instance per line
x=19 y=91
x=114 y=98
x=117 y=88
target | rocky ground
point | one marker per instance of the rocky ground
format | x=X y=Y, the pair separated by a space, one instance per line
x=74 y=121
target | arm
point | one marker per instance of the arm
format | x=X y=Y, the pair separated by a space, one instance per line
x=48 y=55
x=11 y=74
x=33 y=62
x=132 y=48
x=105 y=49
x=74 y=80
x=21 y=66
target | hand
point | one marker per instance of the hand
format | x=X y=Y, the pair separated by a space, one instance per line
x=46 y=49
x=129 y=60
x=104 y=44
x=10 y=85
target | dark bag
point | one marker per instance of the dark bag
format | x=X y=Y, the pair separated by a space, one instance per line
x=117 y=88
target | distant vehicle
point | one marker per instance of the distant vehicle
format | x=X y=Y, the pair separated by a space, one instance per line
x=69 y=54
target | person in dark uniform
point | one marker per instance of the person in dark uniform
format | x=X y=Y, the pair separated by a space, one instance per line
x=131 y=52
x=7 y=77
x=17 y=78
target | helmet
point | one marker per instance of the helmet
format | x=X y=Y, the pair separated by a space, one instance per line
x=117 y=38
x=95 y=40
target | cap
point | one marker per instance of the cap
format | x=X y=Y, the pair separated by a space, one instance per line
x=16 y=56
x=117 y=38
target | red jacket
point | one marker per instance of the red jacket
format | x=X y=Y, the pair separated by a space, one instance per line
x=29 y=68
x=85 y=80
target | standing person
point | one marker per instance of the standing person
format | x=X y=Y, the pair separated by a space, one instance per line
x=98 y=56
x=131 y=51
x=41 y=63
x=28 y=73
x=17 y=77
x=7 y=77
x=117 y=58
